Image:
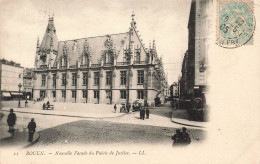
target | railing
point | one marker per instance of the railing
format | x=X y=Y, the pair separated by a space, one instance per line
x=84 y=66
x=139 y=62
x=108 y=64
x=95 y=65
x=122 y=63
x=72 y=66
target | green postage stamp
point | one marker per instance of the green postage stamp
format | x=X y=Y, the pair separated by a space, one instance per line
x=235 y=23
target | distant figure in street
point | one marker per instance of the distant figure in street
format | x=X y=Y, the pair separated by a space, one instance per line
x=11 y=120
x=147 y=111
x=142 y=113
x=115 y=108
x=48 y=104
x=31 y=128
x=185 y=136
x=177 y=138
x=43 y=106
x=26 y=102
x=128 y=107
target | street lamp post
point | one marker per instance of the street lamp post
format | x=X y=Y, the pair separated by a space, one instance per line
x=19 y=103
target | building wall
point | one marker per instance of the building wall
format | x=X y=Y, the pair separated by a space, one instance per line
x=11 y=76
x=203 y=24
x=102 y=87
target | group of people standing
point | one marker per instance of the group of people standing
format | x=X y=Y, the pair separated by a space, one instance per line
x=123 y=107
x=11 y=121
x=181 y=137
x=143 y=111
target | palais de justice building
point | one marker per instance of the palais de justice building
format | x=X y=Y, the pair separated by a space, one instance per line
x=114 y=68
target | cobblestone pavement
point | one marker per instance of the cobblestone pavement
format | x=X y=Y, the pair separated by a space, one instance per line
x=103 y=132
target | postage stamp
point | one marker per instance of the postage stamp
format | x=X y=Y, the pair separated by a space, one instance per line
x=235 y=23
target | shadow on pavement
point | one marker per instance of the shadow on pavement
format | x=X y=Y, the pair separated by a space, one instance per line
x=19 y=138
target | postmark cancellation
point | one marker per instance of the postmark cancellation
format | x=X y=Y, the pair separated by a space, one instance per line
x=235 y=23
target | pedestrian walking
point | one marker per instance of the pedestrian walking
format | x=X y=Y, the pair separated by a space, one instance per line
x=11 y=120
x=31 y=128
x=26 y=102
x=128 y=107
x=115 y=108
x=143 y=113
x=147 y=111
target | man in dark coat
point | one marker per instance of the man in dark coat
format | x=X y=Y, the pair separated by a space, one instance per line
x=143 y=113
x=115 y=108
x=177 y=138
x=185 y=137
x=147 y=111
x=43 y=106
x=11 y=120
x=31 y=128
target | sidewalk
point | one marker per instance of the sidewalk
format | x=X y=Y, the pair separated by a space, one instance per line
x=80 y=110
x=19 y=138
x=180 y=116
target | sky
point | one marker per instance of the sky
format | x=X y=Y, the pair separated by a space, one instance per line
x=164 y=21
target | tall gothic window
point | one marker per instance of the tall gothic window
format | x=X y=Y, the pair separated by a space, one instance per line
x=53 y=79
x=123 y=77
x=43 y=79
x=85 y=94
x=96 y=94
x=108 y=77
x=74 y=79
x=123 y=94
x=63 y=79
x=140 y=77
x=96 y=78
x=140 y=94
x=85 y=78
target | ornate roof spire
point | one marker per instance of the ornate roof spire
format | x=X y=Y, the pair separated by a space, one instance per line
x=133 y=23
x=133 y=16
x=50 y=38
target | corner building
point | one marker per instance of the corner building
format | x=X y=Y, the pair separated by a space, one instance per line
x=109 y=69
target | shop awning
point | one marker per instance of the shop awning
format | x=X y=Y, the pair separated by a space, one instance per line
x=6 y=94
x=15 y=94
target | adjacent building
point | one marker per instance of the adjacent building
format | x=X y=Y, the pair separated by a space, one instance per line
x=11 y=75
x=195 y=62
x=28 y=82
x=114 y=68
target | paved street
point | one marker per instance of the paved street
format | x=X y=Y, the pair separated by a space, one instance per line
x=127 y=128
x=104 y=132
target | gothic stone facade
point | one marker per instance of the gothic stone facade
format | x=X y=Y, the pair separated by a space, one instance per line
x=108 y=69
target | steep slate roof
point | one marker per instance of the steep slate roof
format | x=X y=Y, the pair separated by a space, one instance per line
x=49 y=36
x=97 y=46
